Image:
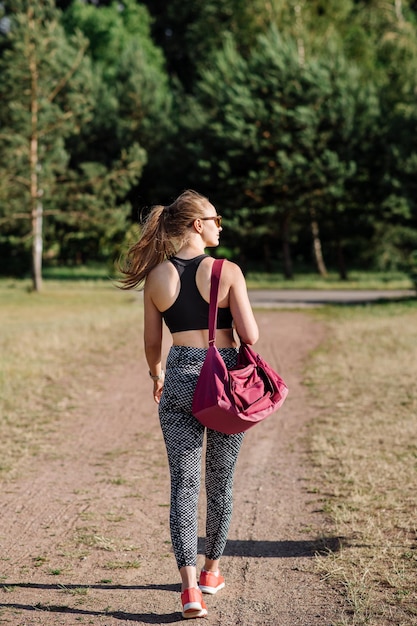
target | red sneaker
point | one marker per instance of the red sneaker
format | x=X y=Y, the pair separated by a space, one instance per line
x=193 y=604
x=210 y=582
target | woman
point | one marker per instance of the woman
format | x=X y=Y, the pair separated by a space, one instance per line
x=170 y=259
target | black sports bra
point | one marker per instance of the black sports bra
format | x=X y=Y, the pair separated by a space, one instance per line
x=190 y=310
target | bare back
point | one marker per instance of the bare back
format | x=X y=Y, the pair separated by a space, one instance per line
x=163 y=286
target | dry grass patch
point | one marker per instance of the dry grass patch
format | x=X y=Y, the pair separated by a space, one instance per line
x=49 y=343
x=364 y=446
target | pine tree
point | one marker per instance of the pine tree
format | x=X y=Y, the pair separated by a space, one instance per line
x=281 y=137
x=56 y=101
x=45 y=94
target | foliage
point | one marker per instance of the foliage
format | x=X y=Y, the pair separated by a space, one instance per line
x=134 y=83
x=77 y=194
x=284 y=134
x=190 y=32
x=297 y=118
x=45 y=88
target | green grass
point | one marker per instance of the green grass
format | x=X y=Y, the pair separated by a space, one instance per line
x=260 y=280
x=93 y=272
x=362 y=382
x=356 y=280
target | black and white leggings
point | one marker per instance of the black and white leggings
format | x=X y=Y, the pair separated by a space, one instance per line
x=183 y=435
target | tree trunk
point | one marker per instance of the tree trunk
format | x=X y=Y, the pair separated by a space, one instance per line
x=37 y=247
x=399 y=10
x=341 y=261
x=317 y=249
x=35 y=193
x=267 y=257
x=298 y=9
x=286 y=249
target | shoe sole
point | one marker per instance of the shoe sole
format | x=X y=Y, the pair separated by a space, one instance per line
x=211 y=590
x=194 y=613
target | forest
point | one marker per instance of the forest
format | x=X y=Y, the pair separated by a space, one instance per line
x=297 y=118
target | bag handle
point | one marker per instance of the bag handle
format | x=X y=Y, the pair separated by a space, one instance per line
x=216 y=271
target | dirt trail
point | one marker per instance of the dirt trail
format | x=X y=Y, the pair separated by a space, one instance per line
x=84 y=533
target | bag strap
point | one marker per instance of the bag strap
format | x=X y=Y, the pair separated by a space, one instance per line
x=216 y=271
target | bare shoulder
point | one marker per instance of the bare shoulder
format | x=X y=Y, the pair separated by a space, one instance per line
x=162 y=285
x=232 y=272
x=162 y=273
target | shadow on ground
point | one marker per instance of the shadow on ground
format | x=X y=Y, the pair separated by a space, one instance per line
x=279 y=549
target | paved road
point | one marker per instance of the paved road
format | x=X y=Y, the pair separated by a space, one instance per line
x=309 y=297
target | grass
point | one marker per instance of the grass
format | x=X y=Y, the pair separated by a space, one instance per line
x=356 y=280
x=362 y=382
x=45 y=339
x=262 y=280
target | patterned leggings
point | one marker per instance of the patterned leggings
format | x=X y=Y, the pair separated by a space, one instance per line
x=184 y=436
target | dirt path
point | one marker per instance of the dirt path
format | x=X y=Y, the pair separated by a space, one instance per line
x=84 y=533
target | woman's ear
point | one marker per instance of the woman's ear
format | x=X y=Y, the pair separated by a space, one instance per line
x=197 y=225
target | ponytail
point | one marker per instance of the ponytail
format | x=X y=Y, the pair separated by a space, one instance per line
x=164 y=231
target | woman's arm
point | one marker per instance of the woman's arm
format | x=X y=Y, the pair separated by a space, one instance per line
x=240 y=306
x=153 y=340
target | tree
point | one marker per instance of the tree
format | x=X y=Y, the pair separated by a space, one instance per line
x=191 y=32
x=44 y=84
x=50 y=164
x=134 y=97
x=280 y=137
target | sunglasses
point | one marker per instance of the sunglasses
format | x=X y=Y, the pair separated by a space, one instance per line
x=216 y=218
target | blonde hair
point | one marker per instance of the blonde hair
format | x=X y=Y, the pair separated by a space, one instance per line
x=164 y=231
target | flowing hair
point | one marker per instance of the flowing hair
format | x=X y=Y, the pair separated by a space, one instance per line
x=163 y=232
